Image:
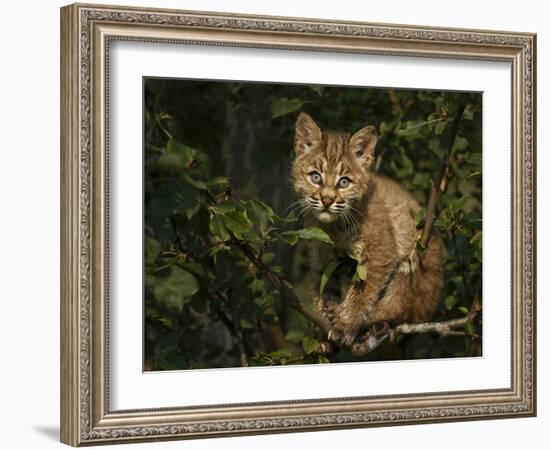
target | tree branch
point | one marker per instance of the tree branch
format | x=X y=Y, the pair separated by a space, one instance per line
x=286 y=292
x=441 y=181
x=381 y=333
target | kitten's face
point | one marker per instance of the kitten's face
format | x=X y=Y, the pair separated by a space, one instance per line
x=331 y=170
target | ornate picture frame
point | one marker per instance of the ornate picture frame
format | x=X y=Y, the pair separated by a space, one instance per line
x=87 y=32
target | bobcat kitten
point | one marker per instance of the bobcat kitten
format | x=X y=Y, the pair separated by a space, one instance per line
x=369 y=216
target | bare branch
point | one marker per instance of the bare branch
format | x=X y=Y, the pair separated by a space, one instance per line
x=377 y=336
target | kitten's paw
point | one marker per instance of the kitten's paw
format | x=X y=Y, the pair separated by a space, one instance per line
x=334 y=335
x=326 y=348
x=341 y=337
x=349 y=336
x=330 y=312
x=343 y=330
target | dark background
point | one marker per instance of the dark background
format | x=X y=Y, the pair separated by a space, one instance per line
x=204 y=306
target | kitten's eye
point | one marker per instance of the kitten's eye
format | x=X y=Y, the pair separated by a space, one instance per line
x=315 y=177
x=344 y=182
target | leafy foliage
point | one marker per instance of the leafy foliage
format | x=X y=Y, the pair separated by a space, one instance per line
x=216 y=175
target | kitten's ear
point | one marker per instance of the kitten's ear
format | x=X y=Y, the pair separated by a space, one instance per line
x=362 y=145
x=308 y=134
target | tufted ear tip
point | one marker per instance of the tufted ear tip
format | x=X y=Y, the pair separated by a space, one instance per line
x=308 y=134
x=371 y=129
x=362 y=144
x=303 y=117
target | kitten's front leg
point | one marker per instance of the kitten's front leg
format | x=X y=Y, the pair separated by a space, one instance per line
x=348 y=317
x=355 y=311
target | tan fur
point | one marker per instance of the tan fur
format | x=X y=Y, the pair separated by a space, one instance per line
x=371 y=219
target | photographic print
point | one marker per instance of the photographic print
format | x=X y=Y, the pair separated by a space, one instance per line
x=309 y=224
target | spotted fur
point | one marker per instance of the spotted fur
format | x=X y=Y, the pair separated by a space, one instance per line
x=369 y=216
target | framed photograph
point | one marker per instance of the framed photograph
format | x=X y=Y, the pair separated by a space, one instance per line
x=276 y=224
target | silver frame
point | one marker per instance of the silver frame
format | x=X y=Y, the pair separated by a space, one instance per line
x=86 y=32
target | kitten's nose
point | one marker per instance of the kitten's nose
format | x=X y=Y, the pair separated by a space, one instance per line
x=327 y=201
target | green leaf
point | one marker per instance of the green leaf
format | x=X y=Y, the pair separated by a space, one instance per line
x=290 y=218
x=217 y=228
x=174 y=161
x=188 y=201
x=236 y=222
x=450 y=302
x=283 y=106
x=439 y=127
x=316 y=88
x=246 y=324
x=421 y=179
x=475 y=159
x=464 y=310
x=174 y=146
x=295 y=335
x=457 y=204
x=174 y=289
x=469 y=328
x=259 y=212
x=217 y=181
x=257 y=286
x=361 y=271
x=194 y=182
x=418 y=216
x=151 y=250
x=224 y=207
x=284 y=353
x=288 y=237
x=407 y=163
x=329 y=270
x=315 y=233
x=476 y=237
x=193 y=267
x=310 y=345
x=178 y=156
x=292 y=237
x=268 y=257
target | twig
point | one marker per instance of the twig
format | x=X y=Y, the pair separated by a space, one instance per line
x=440 y=183
x=287 y=294
x=375 y=337
x=162 y=127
